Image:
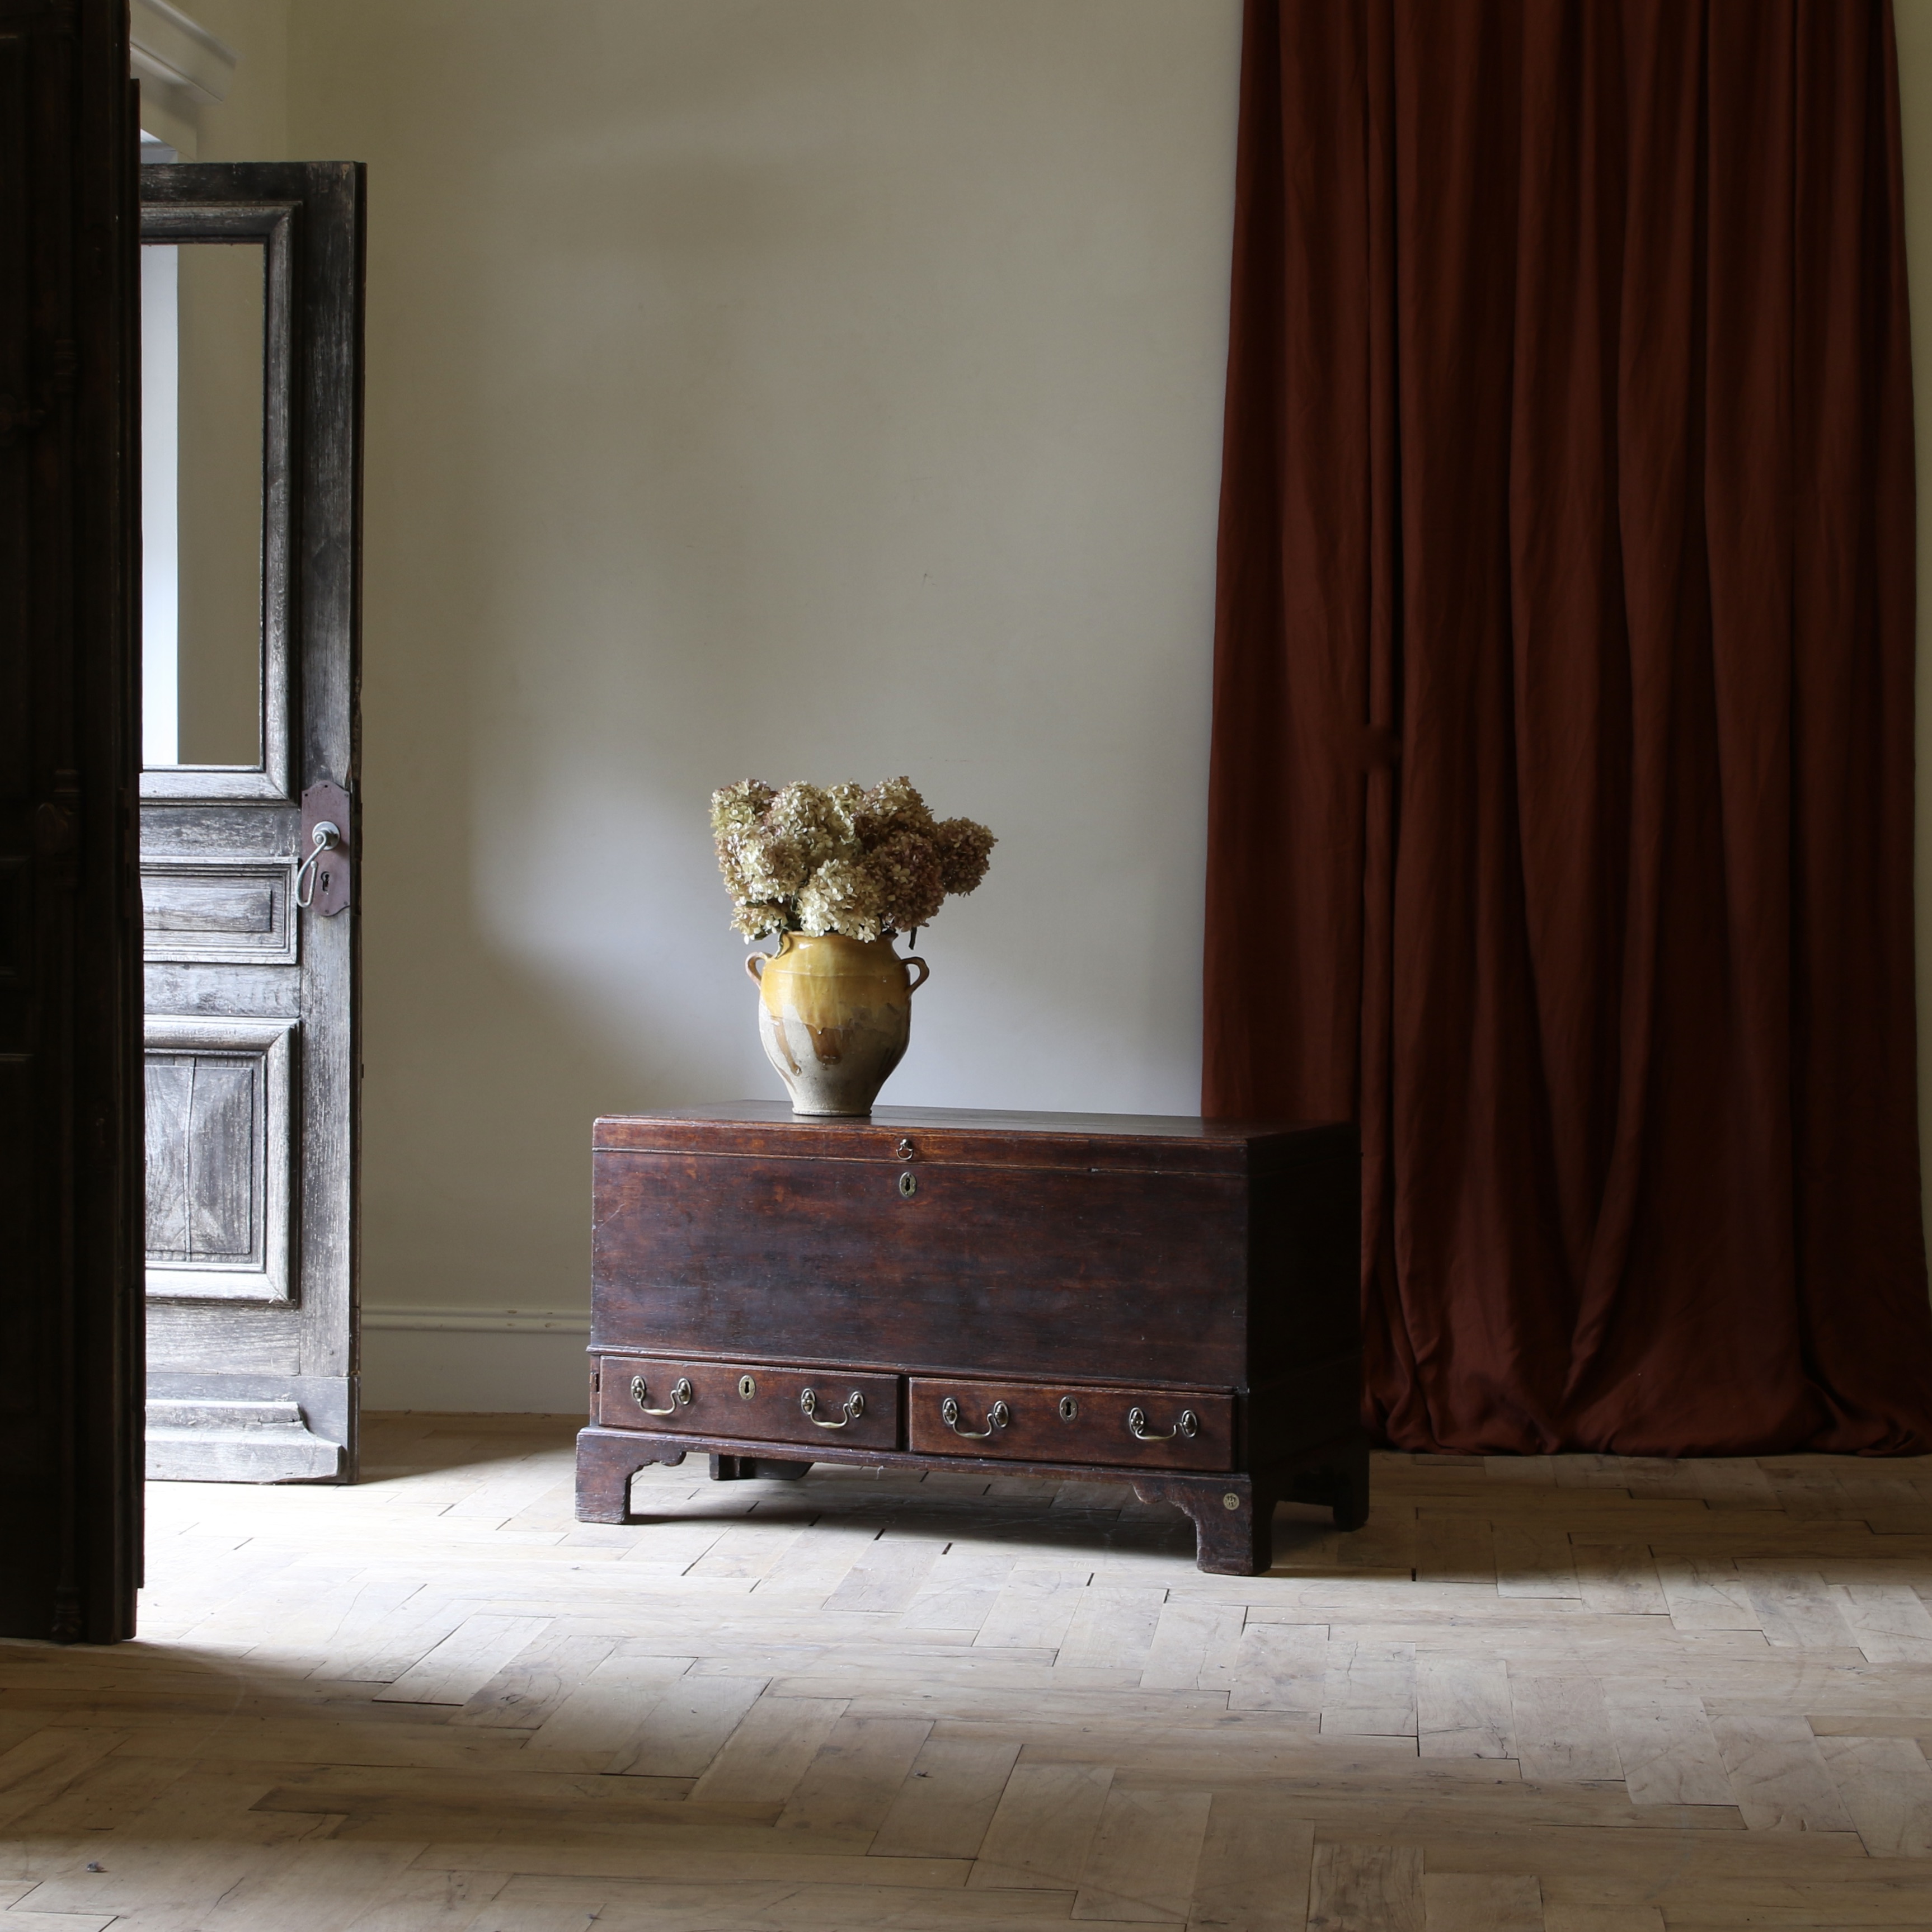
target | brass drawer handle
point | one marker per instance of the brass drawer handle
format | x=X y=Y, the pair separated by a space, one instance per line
x=680 y=1395
x=997 y=1417
x=854 y=1407
x=1189 y=1426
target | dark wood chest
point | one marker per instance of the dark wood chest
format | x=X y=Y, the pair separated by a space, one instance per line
x=1171 y=1301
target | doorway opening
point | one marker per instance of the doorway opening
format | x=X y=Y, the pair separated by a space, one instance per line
x=251 y=303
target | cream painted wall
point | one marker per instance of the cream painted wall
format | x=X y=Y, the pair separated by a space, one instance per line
x=814 y=388
x=826 y=390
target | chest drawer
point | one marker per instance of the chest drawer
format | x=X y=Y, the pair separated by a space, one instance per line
x=1036 y=1422
x=756 y=1401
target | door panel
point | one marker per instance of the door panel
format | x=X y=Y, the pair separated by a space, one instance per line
x=220 y=1176
x=184 y=990
x=232 y=912
x=250 y=654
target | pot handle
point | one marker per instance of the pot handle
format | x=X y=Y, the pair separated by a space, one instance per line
x=925 y=972
x=755 y=963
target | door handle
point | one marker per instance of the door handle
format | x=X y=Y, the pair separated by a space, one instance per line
x=322 y=880
x=1189 y=1426
x=327 y=835
x=681 y=1396
x=998 y=1418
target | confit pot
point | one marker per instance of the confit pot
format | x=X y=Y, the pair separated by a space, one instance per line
x=834 y=1015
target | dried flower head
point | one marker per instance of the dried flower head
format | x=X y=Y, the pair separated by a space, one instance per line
x=755 y=921
x=964 y=849
x=844 y=858
x=809 y=819
x=892 y=805
x=738 y=808
x=906 y=881
x=841 y=897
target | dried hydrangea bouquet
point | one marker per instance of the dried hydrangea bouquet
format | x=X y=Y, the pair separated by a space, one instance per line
x=837 y=871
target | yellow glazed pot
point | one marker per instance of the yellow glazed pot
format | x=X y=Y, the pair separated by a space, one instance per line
x=836 y=1015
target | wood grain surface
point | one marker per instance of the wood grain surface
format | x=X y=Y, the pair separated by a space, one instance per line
x=885 y=1698
x=1068 y=1422
x=1151 y=1143
x=1110 y=1262
x=751 y=1399
x=996 y=1269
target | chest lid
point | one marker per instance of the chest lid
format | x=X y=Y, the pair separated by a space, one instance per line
x=1150 y=1143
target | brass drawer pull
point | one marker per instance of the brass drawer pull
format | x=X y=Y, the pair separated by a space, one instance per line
x=680 y=1395
x=1189 y=1426
x=997 y=1417
x=854 y=1407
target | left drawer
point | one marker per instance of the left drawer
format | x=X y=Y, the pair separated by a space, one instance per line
x=758 y=1401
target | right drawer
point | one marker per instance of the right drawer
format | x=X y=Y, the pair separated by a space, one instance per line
x=1036 y=1422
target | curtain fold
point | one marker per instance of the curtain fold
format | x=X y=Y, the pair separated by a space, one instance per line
x=1561 y=818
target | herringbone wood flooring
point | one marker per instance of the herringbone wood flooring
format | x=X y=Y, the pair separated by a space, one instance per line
x=1569 y=1693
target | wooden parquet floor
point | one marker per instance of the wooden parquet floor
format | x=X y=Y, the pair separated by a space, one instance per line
x=1582 y=1694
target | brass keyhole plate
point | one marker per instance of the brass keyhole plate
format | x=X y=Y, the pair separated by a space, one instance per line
x=1069 y=1409
x=747 y=1387
x=908 y=1185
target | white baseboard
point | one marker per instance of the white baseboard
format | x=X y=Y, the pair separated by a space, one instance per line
x=481 y=1321
x=474 y=1361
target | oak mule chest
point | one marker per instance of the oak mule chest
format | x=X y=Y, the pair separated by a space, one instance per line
x=1172 y=1303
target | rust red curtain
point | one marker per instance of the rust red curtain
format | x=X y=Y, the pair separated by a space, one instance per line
x=1561 y=811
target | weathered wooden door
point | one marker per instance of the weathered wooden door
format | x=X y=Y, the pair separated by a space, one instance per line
x=251 y=352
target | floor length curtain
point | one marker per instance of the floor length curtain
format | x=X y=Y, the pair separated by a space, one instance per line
x=1562 y=794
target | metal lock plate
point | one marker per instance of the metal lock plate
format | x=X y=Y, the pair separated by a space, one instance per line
x=908 y=1185
x=747 y=1387
x=327 y=889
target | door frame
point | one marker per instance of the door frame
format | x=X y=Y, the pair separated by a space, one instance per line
x=70 y=1110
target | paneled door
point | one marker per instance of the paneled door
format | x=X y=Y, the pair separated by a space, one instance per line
x=251 y=303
